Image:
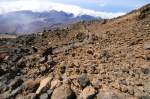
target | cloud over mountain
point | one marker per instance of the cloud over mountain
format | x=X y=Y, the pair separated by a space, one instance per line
x=47 y=5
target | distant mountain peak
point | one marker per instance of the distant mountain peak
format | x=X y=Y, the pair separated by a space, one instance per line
x=27 y=21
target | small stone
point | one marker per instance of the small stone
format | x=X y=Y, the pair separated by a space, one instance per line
x=96 y=83
x=88 y=93
x=62 y=69
x=44 y=96
x=3 y=56
x=124 y=89
x=116 y=85
x=90 y=52
x=147 y=46
x=50 y=58
x=146 y=70
x=66 y=80
x=43 y=69
x=73 y=54
x=21 y=63
x=83 y=80
x=63 y=92
x=34 y=49
x=91 y=69
x=43 y=60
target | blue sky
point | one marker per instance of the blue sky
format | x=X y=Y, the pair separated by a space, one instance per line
x=103 y=8
x=107 y=5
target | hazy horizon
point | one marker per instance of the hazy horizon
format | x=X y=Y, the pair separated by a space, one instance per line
x=98 y=8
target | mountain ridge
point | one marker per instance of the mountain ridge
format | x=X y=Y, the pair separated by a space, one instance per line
x=29 y=21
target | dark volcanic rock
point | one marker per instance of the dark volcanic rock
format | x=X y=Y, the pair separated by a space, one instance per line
x=2 y=72
x=48 y=51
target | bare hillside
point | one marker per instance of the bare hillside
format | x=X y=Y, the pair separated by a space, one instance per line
x=108 y=59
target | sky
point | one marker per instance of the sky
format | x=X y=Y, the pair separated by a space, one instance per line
x=99 y=8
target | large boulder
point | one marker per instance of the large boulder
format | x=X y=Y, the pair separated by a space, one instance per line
x=63 y=92
x=31 y=85
x=43 y=83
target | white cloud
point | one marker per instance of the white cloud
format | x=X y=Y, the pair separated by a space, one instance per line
x=46 y=5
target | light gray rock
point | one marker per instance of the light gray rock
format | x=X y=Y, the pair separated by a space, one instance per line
x=83 y=80
x=44 y=96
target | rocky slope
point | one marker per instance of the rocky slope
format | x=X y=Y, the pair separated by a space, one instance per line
x=107 y=59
